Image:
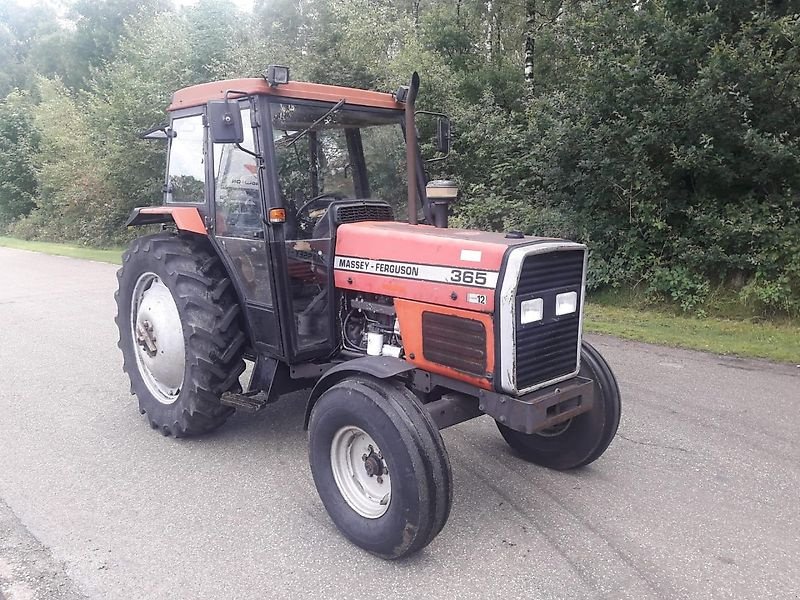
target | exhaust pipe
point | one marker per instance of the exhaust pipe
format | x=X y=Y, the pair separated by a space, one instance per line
x=411 y=148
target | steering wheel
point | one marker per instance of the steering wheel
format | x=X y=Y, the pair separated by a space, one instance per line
x=330 y=197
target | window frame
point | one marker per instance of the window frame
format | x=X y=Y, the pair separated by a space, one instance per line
x=182 y=114
x=275 y=196
x=246 y=103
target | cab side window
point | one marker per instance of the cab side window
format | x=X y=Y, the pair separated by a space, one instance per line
x=236 y=186
x=186 y=174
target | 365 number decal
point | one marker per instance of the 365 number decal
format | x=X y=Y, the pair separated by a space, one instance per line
x=468 y=277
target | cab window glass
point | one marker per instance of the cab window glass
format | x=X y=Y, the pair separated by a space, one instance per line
x=328 y=152
x=186 y=174
x=238 y=202
x=385 y=161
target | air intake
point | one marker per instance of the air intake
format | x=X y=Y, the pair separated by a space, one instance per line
x=362 y=211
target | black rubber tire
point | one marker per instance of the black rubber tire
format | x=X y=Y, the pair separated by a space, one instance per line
x=588 y=434
x=421 y=480
x=210 y=317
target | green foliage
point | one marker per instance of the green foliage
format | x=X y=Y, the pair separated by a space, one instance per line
x=18 y=147
x=665 y=134
x=74 y=197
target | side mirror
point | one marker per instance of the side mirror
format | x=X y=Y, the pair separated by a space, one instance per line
x=225 y=121
x=443 y=135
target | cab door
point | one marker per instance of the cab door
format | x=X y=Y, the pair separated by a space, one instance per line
x=238 y=225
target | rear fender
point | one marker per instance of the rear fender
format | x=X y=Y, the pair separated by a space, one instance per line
x=380 y=367
x=189 y=220
x=186 y=218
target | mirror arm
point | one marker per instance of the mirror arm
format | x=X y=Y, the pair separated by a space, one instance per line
x=246 y=151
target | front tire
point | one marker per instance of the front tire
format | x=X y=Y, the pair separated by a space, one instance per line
x=582 y=439
x=179 y=332
x=380 y=466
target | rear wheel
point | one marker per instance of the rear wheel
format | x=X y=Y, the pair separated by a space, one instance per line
x=178 y=321
x=582 y=439
x=380 y=466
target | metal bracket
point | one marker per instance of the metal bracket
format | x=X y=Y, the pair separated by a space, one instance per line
x=541 y=409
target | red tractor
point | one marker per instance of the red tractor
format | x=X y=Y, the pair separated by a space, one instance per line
x=280 y=246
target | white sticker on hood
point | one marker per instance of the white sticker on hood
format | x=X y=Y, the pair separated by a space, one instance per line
x=471 y=255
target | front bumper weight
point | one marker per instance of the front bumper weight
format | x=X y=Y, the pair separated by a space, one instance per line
x=540 y=409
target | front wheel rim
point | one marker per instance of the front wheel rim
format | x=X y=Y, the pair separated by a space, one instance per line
x=157 y=337
x=360 y=472
x=555 y=430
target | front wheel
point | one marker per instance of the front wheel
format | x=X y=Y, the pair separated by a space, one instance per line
x=380 y=466
x=582 y=439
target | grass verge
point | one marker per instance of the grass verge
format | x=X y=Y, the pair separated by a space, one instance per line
x=773 y=341
x=739 y=337
x=111 y=255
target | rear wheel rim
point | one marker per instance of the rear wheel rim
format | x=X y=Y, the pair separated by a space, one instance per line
x=157 y=335
x=360 y=472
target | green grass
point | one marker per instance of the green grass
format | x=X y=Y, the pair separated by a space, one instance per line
x=774 y=341
x=110 y=255
x=613 y=315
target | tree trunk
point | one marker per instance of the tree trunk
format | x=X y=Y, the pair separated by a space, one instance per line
x=489 y=43
x=530 y=45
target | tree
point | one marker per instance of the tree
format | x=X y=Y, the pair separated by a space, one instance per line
x=18 y=146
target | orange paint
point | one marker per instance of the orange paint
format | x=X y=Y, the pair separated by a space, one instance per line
x=187 y=218
x=447 y=249
x=197 y=95
x=409 y=314
x=425 y=244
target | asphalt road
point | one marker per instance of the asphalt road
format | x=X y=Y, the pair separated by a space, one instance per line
x=698 y=496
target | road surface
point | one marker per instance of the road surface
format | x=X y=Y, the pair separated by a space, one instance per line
x=698 y=496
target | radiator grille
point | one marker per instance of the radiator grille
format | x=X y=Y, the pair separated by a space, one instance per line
x=548 y=349
x=551 y=270
x=354 y=213
x=455 y=342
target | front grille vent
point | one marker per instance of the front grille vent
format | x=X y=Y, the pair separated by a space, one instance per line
x=548 y=349
x=551 y=270
x=455 y=342
x=354 y=213
x=547 y=352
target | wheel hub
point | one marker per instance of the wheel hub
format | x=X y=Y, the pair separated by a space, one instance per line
x=374 y=465
x=360 y=472
x=158 y=338
x=146 y=339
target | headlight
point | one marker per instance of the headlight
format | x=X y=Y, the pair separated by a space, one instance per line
x=276 y=75
x=531 y=310
x=566 y=303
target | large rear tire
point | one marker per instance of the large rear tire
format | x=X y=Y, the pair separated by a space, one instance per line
x=179 y=332
x=582 y=439
x=380 y=466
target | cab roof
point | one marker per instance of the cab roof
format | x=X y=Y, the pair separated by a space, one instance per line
x=197 y=95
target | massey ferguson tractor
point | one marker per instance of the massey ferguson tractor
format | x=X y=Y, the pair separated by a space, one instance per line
x=280 y=245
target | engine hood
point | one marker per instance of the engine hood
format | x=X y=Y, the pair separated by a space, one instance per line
x=451 y=267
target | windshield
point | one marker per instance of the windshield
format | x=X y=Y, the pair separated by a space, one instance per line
x=324 y=155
